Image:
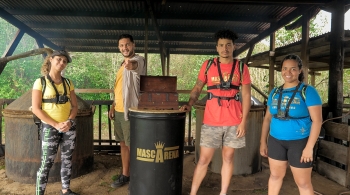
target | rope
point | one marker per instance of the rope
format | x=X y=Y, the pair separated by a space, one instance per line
x=336 y=117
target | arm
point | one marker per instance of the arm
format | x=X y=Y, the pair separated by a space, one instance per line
x=246 y=103
x=74 y=105
x=36 y=109
x=111 y=111
x=73 y=112
x=196 y=91
x=316 y=117
x=135 y=64
x=264 y=132
x=130 y=64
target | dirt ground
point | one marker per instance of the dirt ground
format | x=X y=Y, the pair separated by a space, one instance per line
x=106 y=166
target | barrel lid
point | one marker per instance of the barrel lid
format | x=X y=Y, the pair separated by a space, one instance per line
x=155 y=111
x=22 y=106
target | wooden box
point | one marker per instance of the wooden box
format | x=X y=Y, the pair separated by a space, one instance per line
x=158 y=93
x=158 y=101
x=158 y=83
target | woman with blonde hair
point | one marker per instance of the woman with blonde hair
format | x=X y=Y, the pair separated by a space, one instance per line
x=55 y=104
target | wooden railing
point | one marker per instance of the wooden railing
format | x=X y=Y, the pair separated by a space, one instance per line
x=101 y=144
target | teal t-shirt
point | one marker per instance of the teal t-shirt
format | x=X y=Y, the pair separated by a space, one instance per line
x=293 y=129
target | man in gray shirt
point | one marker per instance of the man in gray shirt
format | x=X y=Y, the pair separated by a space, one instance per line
x=126 y=95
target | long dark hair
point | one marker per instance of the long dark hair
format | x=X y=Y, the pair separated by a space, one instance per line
x=300 y=64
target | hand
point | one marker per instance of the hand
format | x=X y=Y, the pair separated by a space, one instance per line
x=240 y=132
x=307 y=156
x=185 y=107
x=63 y=126
x=111 y=114
x=263 y=149
x=130 y=64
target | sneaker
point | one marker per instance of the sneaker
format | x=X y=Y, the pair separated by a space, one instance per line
x=120 y=181
x=69 y=192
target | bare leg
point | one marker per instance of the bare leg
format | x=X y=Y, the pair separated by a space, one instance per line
x=200 y=171
x=302 y=177
x=227 y=168
x=278 y=171
x=125 y=153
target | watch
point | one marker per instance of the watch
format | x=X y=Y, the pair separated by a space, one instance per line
x=72 y=122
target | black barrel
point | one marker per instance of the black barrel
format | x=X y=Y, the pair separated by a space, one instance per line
x=156 y=149
x=22 y=151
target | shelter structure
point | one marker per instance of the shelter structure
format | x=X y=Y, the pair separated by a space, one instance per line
x=180 y=27
x=158 y=26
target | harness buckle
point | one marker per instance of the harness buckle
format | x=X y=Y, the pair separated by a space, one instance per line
x=210 y=96
x=225 y=85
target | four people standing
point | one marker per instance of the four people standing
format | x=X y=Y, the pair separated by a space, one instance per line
x=293 y=117
x=225 y=117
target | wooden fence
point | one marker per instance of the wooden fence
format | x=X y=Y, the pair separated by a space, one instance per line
x=334 y=154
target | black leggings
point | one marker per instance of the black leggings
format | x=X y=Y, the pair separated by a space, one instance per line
x=50 y=140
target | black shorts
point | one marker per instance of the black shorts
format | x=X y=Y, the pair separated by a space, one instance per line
x=288 y=150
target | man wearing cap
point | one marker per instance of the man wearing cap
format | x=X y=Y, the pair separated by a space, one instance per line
x=126 y=95
x=54 y=102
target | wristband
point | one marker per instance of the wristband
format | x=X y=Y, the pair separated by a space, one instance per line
x=72 y=122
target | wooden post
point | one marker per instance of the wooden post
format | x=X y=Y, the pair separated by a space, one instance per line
x=347 y=179
x=146 y=39
x=167 y=62
x=304 y=46
x=313 y=78
x=11 y=48
x=162 y=59
x=272 y=60
x=335 y=87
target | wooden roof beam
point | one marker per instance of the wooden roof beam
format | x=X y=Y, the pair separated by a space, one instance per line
x=281 y=2
x=163 y=28
x=136 y=37
x=284 y=21
x=156 y=27
x=14 y=21
x=187 y=16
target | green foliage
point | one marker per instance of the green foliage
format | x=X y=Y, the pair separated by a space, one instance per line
x=91 y=70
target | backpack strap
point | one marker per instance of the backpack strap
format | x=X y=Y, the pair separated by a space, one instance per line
x=276 y=90
x=241 y=68
x=43 y=86
x=210 y=62
x=54 y=100
x=303 y=92
x=67 y=82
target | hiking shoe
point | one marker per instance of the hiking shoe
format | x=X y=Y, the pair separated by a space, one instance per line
x=120 y=181
x=69 y=192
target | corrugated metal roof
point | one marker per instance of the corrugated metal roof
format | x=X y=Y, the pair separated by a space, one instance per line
x=185 y=27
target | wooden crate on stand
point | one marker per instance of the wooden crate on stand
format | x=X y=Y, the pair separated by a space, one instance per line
x=158 y=93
